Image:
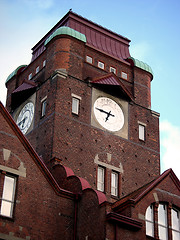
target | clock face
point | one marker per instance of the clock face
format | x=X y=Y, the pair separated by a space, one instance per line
x=25 y=117
x=109 y=114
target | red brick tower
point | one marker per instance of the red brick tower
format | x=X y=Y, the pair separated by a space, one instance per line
x=85 y=101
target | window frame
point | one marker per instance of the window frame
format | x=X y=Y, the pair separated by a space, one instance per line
x=174 y=230
x=101 y=181
x=43 y=106
x=37 y=69
x=44 y=63
x=114 y=69
x=142 y=134
x=77 y=99
x=89 y=57
x=13 y=192
x=150 y=221
x=124 y=73
x=30 y=76
x=116 y=187
x=100 y=62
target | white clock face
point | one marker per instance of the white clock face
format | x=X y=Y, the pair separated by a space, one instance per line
x=109 y=114
x=25 y=117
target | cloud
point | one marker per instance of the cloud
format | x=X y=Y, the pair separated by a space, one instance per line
x=170 y=147
x=140 y=50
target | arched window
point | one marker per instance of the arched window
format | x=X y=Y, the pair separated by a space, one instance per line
x=162 y=222
x=150 y=221
x=175 y=224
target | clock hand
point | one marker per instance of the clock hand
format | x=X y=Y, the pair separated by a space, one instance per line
x=22 y=122
x=108 y=113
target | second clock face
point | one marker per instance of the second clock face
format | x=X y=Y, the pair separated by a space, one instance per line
x=25 y=117
x=109 y=114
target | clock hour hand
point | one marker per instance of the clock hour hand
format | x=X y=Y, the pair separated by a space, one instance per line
x=22 y=122
x=109 y=114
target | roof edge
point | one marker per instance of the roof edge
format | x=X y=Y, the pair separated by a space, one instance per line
x=66 y=31
x=141 y=65
x=15 y=72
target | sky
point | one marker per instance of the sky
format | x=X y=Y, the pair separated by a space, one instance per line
x=153 y=26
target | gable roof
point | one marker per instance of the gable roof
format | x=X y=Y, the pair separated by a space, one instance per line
x=33 y=154
x=112 y=80
x=137 y=195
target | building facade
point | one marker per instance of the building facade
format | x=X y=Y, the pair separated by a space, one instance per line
x=83 y=108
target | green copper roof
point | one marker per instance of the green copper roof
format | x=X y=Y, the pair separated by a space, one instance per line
x=66 y=31
x=142 y=65
x=14 y=73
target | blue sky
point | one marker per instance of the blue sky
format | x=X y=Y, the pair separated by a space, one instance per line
x=153 y=26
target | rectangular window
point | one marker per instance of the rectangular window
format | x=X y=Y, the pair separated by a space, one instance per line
x=30 y=76
x=113 y=70
x=124 y=75
x=100 y=179
x=37 y=69
x=141 y=132
x=43 y=106
x=150 y=221
x=75 y=105
x=114 y=184
x=89 y=59
x=7 y=200
x=44 y=63
x=101 y=65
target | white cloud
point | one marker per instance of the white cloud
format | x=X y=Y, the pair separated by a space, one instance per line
x=170 y=147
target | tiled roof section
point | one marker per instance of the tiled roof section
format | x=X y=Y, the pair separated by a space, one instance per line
x=25 y=86
x=97 y=37
x=113 y=80
x=135 y=196
x=140 y=64
x=66 y=31
x=15 y=72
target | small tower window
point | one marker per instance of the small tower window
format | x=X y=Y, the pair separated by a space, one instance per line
x=124 y=75
x=101 y=65
x=30 y=76
x=89 y=59
x=141 y=132
x=37 y=69
x=113 y=70
x=114 y=184
x=75 y=104
x=100 y=179
x=43 y=106
x=44 y=63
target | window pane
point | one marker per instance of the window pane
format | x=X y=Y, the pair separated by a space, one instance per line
x=175 y=219
x=150 y=229
x=43 y=108
x=6 y=208
x=8 y=189
x=114 y=184
x=162 y=215
x=163 y=234
x=149 y=213
x=88 y=59
x=100 y=180
x=75 y=105
x=175 y=235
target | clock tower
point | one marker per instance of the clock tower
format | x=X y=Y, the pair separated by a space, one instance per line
x=85 y=103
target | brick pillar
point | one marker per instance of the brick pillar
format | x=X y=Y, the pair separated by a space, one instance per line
x=156 y=235
x=169 y=221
